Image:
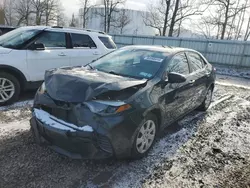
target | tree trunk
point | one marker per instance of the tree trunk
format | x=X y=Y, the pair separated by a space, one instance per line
x=84 y=15
x=224 y=25
x=247 y=31
x=108 y=22
x=171 y=29
x=105 y=15
x=166 y=17
x=37 y=18
x=159 y=29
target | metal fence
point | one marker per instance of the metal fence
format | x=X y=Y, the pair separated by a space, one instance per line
x=220 y=52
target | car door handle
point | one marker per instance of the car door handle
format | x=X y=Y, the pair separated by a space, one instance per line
x=191 y=82
x=62 y=54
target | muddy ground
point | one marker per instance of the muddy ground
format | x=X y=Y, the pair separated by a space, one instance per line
x=203 y=150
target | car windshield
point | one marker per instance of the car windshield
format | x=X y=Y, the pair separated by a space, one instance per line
x=17 y=37
x=140 y=64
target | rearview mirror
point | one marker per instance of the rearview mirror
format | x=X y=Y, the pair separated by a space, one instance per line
x=176 y=78
x=37 y=46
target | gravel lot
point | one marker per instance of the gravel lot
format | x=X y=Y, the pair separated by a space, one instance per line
x=203 y=150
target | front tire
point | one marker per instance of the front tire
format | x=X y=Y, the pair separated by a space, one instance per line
x=207 y=101
x=145 y=137
x=9 y=88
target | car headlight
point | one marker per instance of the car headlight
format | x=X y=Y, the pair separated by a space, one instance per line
x=107 y=107
x=42 y=89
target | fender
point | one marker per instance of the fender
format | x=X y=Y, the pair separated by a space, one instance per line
x=16 y=72
x=156 y=110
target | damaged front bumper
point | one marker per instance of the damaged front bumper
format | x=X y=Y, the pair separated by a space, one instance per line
x=68 y=139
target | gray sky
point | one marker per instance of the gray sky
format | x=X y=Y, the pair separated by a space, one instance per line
x=72 y=6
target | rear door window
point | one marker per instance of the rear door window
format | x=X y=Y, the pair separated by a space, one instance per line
x=108 y=42
x=53 y=39
x=178 y=64
x=82 y=41
x=196 y=62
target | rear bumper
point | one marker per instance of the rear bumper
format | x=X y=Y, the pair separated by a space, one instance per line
x=74 y=144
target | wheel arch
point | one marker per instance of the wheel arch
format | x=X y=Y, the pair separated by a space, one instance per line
x=212 y=86
x=158 y=114
x=15 y=72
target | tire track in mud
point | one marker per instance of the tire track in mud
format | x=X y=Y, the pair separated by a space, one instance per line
x=189 y=168
x=134 y=179
x=131 y=174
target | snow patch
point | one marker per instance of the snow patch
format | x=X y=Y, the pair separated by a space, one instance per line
x=54 y=122
x=232 y=85
x=243 y=73
x=27 y=103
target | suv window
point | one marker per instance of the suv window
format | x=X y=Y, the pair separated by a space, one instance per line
x=82 y=41
x=178 y=64
x=196 y=62
x=52 y=39
x=108 y=42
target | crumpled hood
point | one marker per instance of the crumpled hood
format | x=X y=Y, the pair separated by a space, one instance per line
x=5 y=50
x=80 y=84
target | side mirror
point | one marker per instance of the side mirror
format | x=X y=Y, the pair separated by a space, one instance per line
x=176 y=78
x=37 y=46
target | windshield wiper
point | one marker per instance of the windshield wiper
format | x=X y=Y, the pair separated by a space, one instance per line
x=114 y=73
x=92 y=68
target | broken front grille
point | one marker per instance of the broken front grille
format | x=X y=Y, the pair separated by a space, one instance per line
x=62 y=114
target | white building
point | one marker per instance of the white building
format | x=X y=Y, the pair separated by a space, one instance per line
x=135 y=26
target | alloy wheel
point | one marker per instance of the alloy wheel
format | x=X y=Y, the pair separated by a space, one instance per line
x=7 y=90
x=146 y=136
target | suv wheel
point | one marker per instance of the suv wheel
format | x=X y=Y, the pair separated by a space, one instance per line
x=145 y=137
x=9 y=88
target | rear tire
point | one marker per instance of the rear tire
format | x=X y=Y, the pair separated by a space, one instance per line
x=144 y=138
x=9 y=89
x=207 y=101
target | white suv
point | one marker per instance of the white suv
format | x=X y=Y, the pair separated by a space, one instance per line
x=27 y=52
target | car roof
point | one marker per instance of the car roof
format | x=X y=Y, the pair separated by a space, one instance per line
x=69 y=30
x=168 y=49
x=6 y=27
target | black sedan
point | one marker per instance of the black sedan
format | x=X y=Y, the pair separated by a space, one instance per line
x=116 y=105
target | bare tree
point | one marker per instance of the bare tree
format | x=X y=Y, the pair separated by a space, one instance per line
x=229 y=10
x=171 y=13
x=241 y=20
x=204 y=27
x=2 y=14
x=183 y=10
x=247 y=34
x=110 y=7
x=167 y=10
x=173 y=19
x=154 y=18
x=61 y=17
x=122 y=21
x=226 y=18
x=39 y=10
x=73 y=21
x=86 y=6
x=51 y=10
x=23 y=10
